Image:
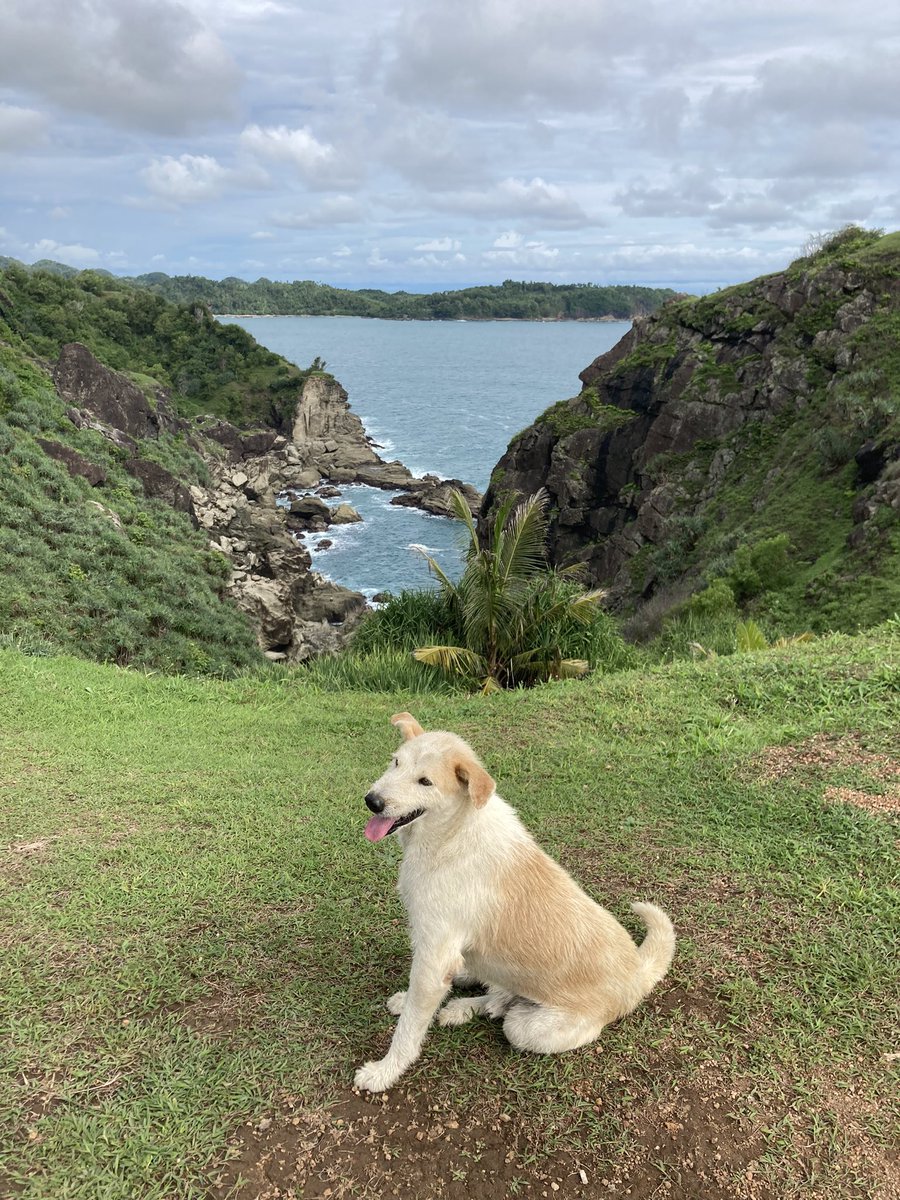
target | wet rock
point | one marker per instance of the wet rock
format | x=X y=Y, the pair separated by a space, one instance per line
x=344 y=514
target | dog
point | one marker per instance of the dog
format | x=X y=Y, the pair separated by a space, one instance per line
x=484 y=902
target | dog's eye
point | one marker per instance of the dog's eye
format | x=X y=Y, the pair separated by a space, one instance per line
x=425 y=782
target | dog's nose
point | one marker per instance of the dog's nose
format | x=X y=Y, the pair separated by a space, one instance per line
x=374 y=802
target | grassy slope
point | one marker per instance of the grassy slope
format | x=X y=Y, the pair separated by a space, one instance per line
x=209 y=367
x=192 y=923
x=146 y=591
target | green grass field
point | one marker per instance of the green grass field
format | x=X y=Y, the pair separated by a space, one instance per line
x=196 y=940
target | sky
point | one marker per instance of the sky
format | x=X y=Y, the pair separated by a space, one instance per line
x=437 y=144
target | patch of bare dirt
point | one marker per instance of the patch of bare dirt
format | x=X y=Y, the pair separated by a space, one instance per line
x=694 y=1144
x=821 y=755
x=885 y=805
x=825 y=752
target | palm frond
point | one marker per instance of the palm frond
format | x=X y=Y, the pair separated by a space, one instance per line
x=455 y=660
x=572 y=668
x=521 y=552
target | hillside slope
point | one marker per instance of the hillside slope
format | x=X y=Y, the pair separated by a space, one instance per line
x=198 y=940
x=761 y=421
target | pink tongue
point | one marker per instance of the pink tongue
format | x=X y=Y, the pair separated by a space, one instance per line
x=378 y=827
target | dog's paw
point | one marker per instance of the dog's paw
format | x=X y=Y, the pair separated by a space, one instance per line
x=375 y=1077
x=497 y=1002
x=457 y=1012
x=394 y=1004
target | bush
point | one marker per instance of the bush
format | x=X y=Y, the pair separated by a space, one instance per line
x=763 y=567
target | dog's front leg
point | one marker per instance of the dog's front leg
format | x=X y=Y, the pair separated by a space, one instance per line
x=429 y=982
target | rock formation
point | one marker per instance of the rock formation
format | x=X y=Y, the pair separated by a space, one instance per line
x=711 y=418
x=297 y=613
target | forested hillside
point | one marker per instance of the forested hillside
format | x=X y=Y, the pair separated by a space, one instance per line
x=510 y=301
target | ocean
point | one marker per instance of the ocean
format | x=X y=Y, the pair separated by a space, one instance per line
x=441 y=396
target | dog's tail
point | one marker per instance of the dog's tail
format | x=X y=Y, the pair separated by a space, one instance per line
x=658 y=946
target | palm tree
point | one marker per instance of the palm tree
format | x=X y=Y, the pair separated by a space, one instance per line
x=511 y=610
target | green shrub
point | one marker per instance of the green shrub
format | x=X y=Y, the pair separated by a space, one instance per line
x=714 y=601
x=763 y=567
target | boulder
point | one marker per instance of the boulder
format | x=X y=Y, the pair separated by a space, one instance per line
x=160 y=484
x=344 y=514
x=110 y=398
x=76 y=464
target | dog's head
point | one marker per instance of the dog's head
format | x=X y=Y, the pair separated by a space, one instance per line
x=431 y=774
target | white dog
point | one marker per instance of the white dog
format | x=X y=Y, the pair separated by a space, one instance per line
x=484 y=901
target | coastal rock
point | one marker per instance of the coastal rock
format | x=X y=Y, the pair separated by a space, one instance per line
x=434 y=495
x=344 y=514
x=642 y=462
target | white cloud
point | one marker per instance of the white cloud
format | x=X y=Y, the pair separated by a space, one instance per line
x=74 y=253
x=377 y=259
x=187 y=179
x=60 y=212
x=336 y=210
x=528 y=254
x=440 y=245
x=261 y=235
x=343 y=252
x=193 y=178
x=546 y=204
x=508 y=241
x=20 y=128
x=318 y=163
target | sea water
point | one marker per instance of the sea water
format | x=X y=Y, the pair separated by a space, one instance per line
x=443 y=397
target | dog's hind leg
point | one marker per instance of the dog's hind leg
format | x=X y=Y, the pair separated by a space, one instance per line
x=458 y=1011
x=544 y=1030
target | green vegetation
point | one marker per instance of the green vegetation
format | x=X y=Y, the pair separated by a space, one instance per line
x=791 y=486
x=584 y=411
x=510 y=300
x=196 y=936
x=104 y=571
x=209 y=367
x=514 y=621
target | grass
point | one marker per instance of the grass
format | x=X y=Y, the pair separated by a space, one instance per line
x=195 y=933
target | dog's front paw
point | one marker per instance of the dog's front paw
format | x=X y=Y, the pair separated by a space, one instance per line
x=375 y=1077
x=394 y=1004
x=457 y=1012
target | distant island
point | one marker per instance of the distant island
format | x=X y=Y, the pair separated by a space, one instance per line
x=508 y=301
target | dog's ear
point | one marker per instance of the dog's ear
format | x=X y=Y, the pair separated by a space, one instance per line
x=479 y=784
x=408 y=725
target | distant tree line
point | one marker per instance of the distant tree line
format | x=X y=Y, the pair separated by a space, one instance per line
x=510 y=300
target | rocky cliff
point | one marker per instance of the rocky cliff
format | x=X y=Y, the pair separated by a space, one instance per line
x=769 y=408
x=297 y=613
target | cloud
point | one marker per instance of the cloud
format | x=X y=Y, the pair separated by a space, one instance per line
x=74 y=253
x=336 y=210
x=508 y=241
x=440 y=245
x=20 y=128
x=432 y=260
x=377 y=259
x=544 y=203
x=496 y=56
x=60 y=212
x=527 y=254
x=147 y=64
x=691 y=194
x=317 y=163
x=261 y=235
x=343 y=252
x=194 y=178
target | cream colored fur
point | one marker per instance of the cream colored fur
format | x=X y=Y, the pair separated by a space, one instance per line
x=483 y=900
